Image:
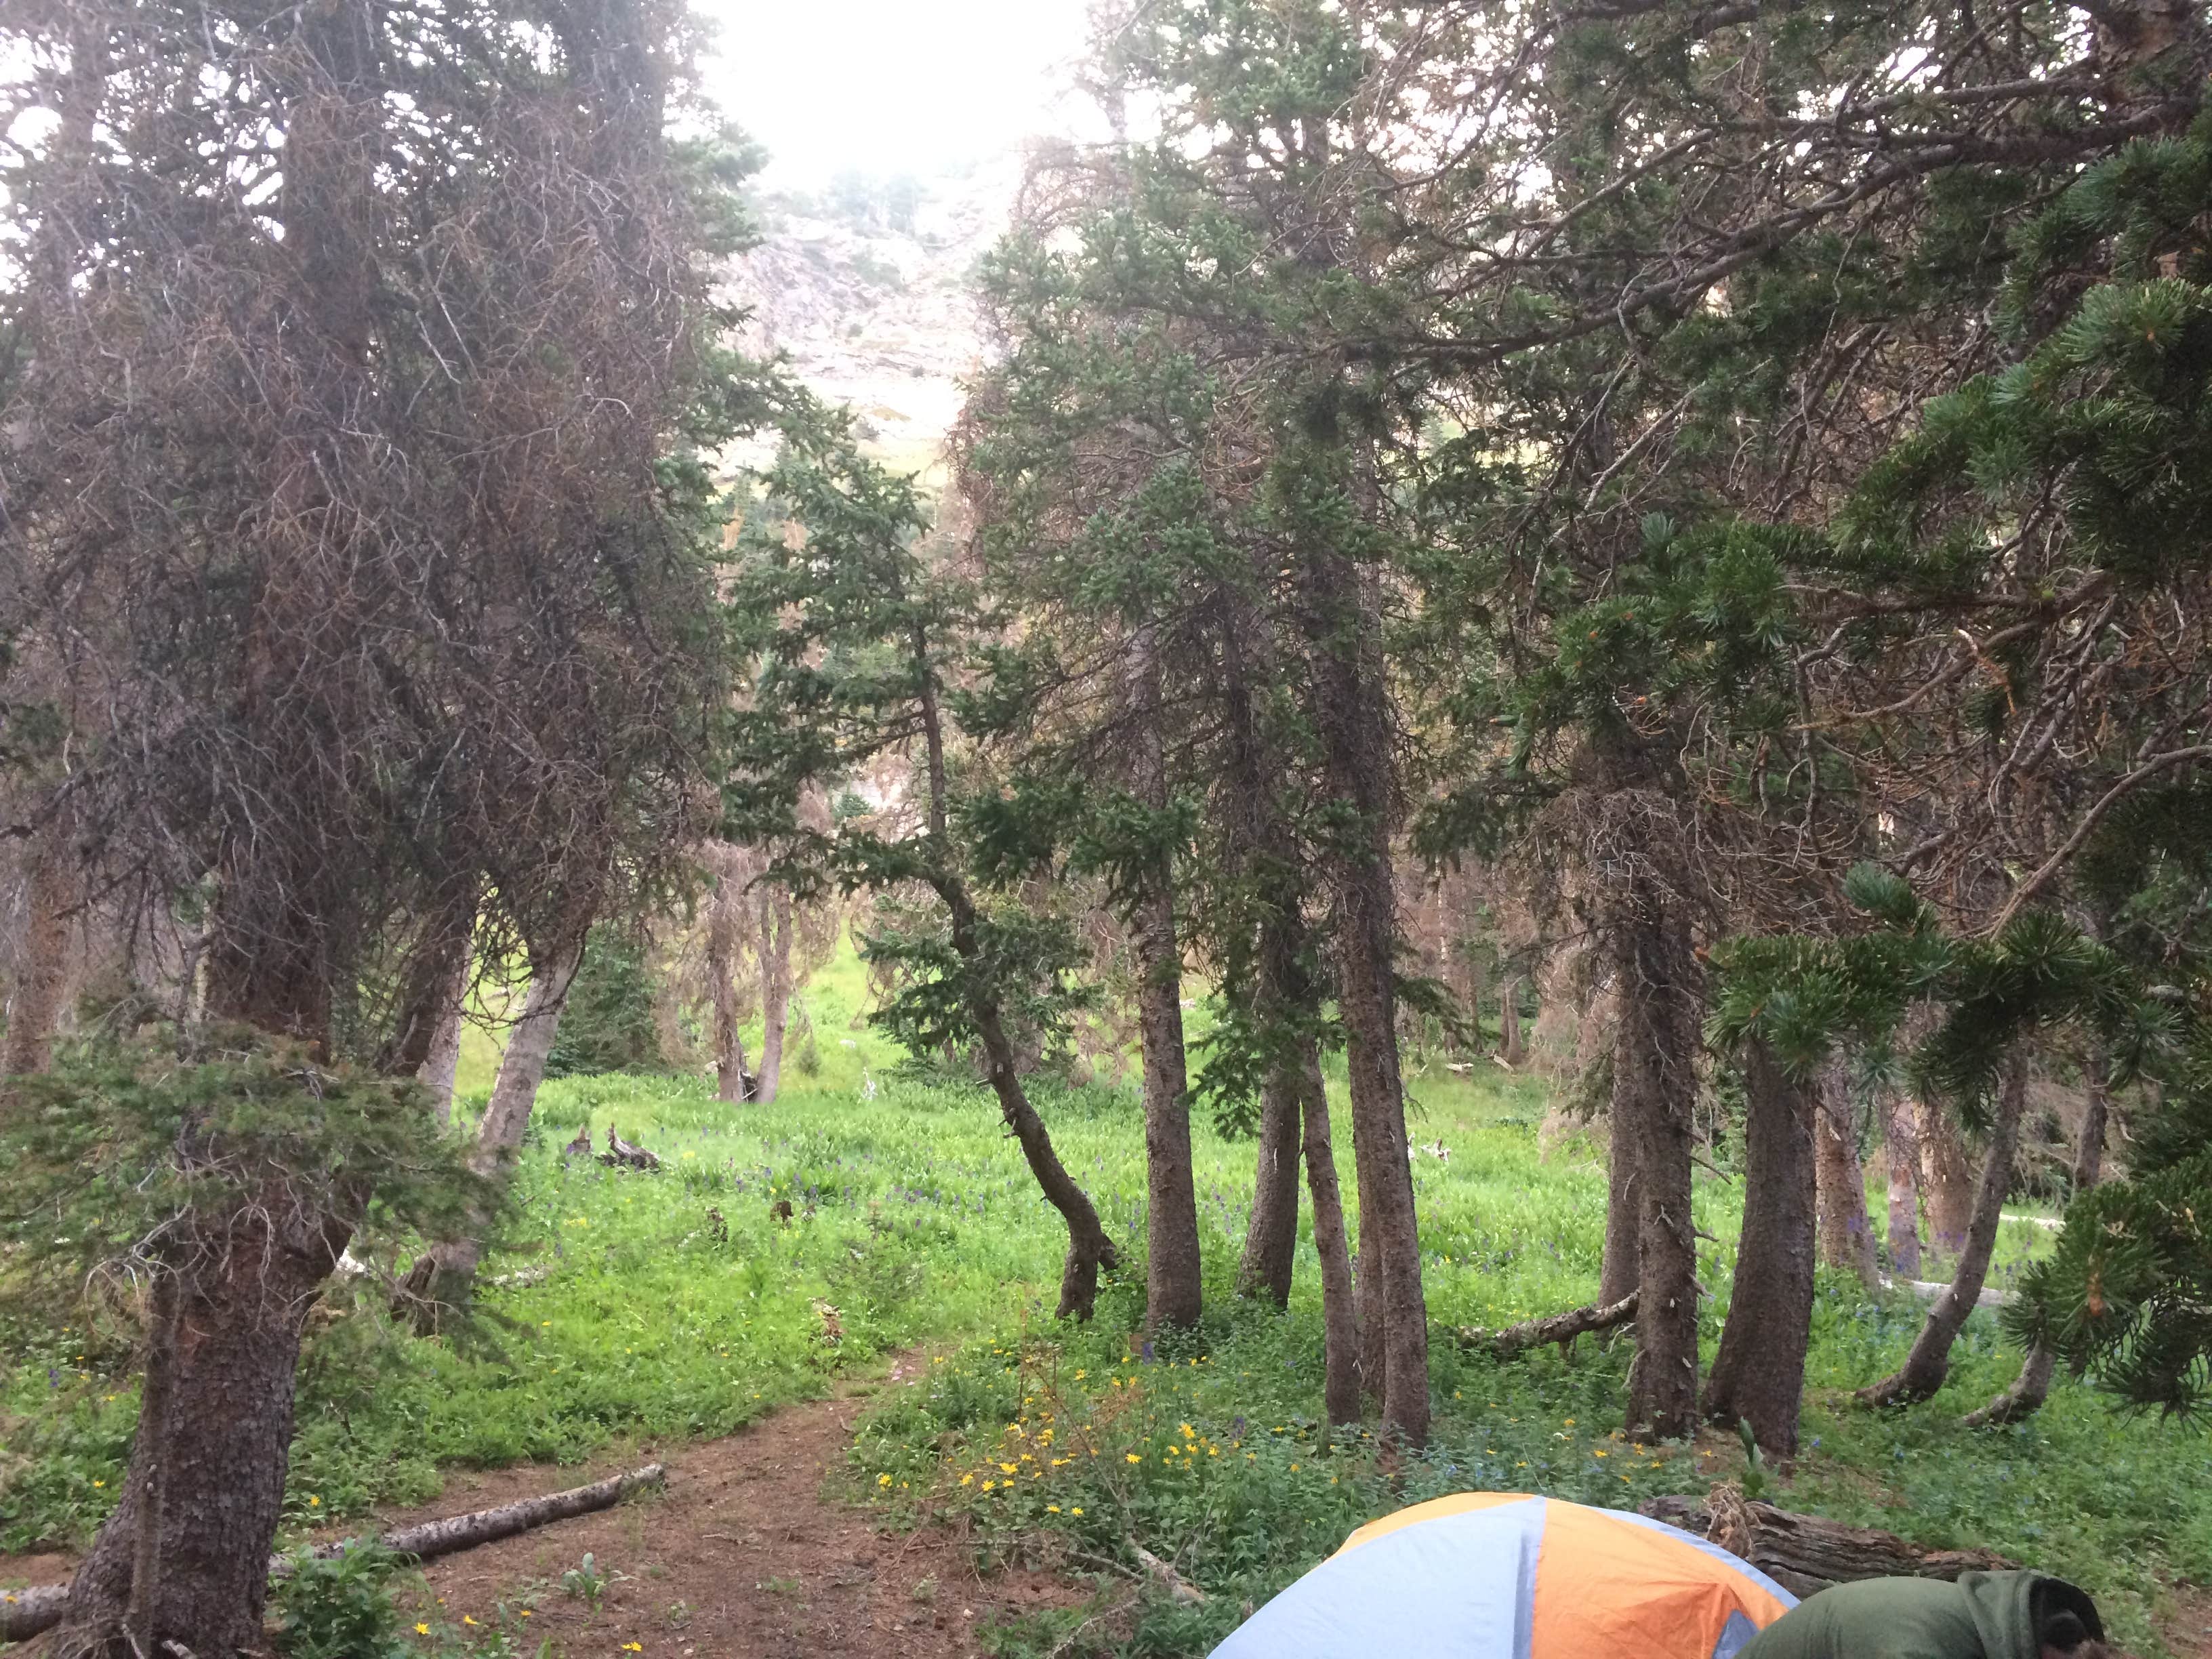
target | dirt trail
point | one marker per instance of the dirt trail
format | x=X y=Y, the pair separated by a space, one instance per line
x=743 y=1555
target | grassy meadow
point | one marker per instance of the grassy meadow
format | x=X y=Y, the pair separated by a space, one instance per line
x=619 y=1308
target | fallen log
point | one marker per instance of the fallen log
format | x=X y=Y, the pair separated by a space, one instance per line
x=1557 y=1327
x=1806 y=1554
x=25 y=1613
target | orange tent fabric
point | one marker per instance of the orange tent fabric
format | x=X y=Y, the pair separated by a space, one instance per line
x=1512 y=1576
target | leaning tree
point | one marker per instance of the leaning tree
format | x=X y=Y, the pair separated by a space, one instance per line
x=348 y=346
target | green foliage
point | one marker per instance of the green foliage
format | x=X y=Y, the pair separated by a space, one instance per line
x=127 y=1153
x=585 y=1582
x=341 y=1607
x=607 y=1023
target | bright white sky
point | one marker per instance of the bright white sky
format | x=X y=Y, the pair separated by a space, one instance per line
x=888 y=86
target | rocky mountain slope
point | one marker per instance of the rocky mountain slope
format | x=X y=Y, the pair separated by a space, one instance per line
x=864 y=286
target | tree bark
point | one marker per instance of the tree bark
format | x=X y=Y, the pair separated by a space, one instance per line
x=1355 y=732
x=443 y=1066
x=1759 y=1374
x=2032 y=1387
x=1654 y=1083
x=1948 y=1180
x=2089 y=1150
x=1339 y=1313
x=2024 y=1398
x=1619 y=1270
x=775 y=922
x=725 y=918
x=1929 y=1364
x=1846 y=1238
x=209 y=1483
x=1901 y=1152
x=443 y=1277
x=428 y=1540
x=1510 y=1047
x=1173 y=1290
x=52 y=888
x=1271 y=1239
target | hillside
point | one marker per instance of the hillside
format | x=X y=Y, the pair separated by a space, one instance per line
x=864 y=286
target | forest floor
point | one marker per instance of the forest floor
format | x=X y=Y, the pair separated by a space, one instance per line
x=678 y=1315
x=755 y=1550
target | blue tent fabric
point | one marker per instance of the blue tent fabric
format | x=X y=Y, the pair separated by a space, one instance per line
x=1473 y=1575
x=1445 y=1582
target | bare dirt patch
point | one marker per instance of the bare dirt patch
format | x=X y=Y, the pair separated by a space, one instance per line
x=748 y=1553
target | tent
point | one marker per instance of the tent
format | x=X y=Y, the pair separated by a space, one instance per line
x=1487 y=1575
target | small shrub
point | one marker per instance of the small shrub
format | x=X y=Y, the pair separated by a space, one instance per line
x=341 y=1608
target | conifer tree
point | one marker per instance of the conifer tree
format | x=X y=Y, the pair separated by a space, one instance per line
x=858 y=649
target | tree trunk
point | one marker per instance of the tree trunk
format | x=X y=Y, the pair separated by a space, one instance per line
x=724 y=919
x=1510 y=1048
x=1759 y=1374
x=1846 y=1238
x=1619 y=1269
x=52 y=888
x=1088 y=1248
x=2033 y=1386
x=1270 y=1240
x=1929 y=1364
x=1173 y=1290
x=443 y=1277
x=2024 y=1398
x=2089 y=1150
x=774 y=906
x=208 y=1481
x=1901 y=1152
x=1948 y=1180
x=1653 y=1083
x=443 y=1066
x=1355 y=732
x=1339 y=1313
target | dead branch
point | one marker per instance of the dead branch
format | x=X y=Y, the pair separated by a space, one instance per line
x=1563 y=1328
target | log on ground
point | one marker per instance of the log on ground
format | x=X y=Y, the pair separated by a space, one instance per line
x=1564 y=1327
x=1806 y=1554
x=25 y=1613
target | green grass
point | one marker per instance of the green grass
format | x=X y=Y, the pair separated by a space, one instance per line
x=918 y=1224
